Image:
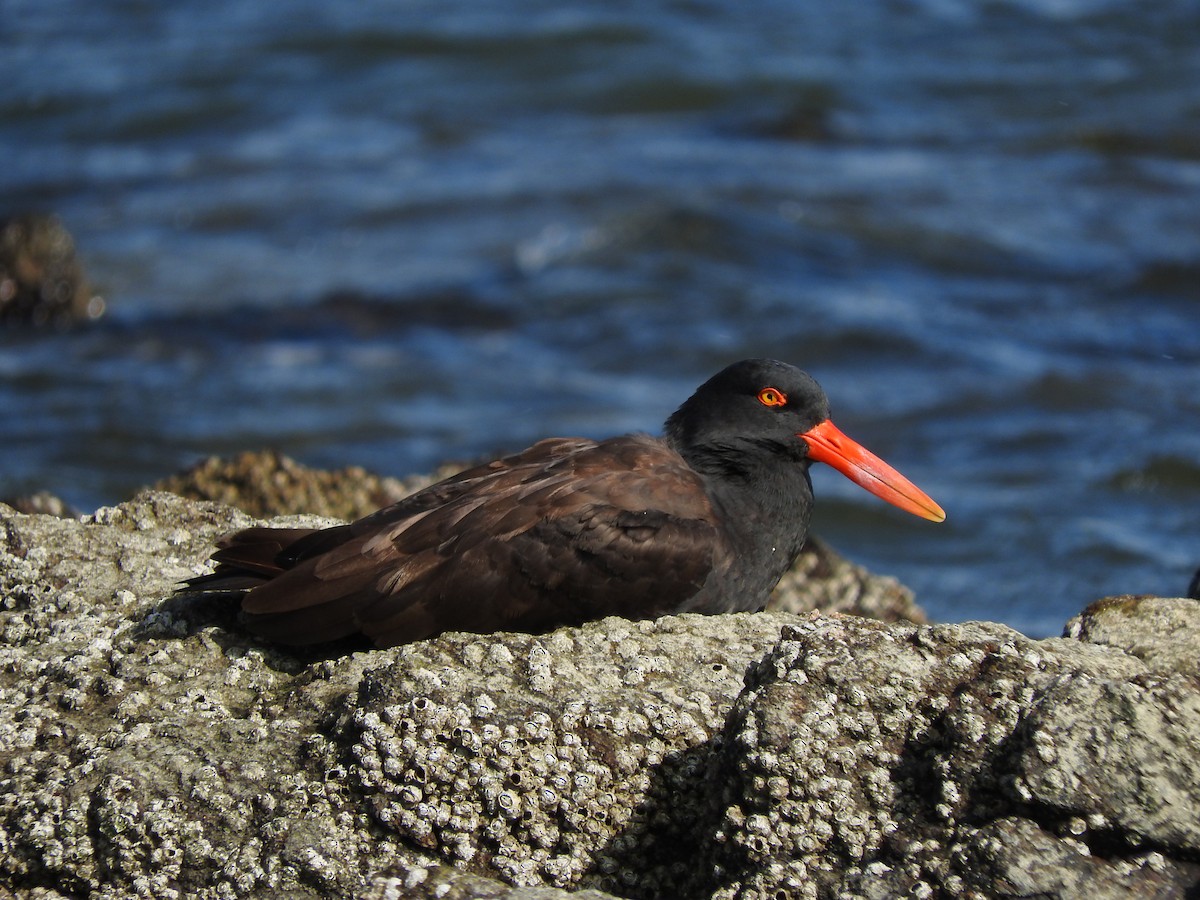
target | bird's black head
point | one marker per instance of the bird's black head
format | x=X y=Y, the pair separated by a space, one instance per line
x=753 y=406
x=759 y=413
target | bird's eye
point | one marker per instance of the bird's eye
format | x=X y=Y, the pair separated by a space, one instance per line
x=772 y=397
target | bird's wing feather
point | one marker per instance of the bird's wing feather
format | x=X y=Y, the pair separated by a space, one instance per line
x=566 y=532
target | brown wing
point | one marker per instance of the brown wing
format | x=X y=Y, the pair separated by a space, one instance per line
x=469 y=481
x=247 y=558
x=565 y=532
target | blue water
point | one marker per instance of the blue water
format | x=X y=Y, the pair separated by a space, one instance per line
x=388 y=234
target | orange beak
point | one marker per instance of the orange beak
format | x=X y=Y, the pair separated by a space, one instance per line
x=827 y=444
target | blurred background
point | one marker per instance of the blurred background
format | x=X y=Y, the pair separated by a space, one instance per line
x=394 y=233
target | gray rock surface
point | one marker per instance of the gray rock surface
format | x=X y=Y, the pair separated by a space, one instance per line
x=150 y=748
x=959 y=761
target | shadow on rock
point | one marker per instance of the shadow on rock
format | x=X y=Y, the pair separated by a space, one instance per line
x=216 y=615
x=660 y=852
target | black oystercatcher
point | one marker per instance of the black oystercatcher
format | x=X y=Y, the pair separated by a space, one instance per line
x=705 y=519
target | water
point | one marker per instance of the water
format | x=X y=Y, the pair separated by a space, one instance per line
x=387 y=234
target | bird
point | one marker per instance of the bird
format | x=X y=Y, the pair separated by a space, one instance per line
x=704 y=519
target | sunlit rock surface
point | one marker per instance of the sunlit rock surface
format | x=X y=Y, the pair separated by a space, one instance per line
x=148 y=746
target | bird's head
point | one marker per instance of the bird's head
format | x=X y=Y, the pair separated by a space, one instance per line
x=768 y=411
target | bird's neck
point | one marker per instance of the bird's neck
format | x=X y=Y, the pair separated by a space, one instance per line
x=764 y=502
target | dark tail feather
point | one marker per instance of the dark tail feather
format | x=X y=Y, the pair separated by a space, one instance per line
x=220 y=582
x=247 y=559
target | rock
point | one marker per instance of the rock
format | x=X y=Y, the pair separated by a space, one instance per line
x=1159 y=632
x=821 y=579
x=148 y=746
x=41 y=280
x=265 y=483
x=886 y=760
x=555 y=759
x=42 y=502
x=444 y=883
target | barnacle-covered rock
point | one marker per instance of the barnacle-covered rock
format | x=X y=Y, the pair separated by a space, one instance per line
x=444 y=883
x=150 y=747
x=822 y=579
x=887 y=760
x=268 y=483
x=552 y=759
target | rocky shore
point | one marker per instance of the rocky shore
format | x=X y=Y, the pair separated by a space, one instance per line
x=149 y=747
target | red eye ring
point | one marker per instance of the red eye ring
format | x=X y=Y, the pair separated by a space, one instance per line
x=770 y=396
